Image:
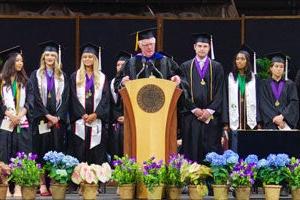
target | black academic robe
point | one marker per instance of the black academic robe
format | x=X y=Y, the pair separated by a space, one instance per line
x=242 y=107
x=132 y=68
x=289 y=104
x=13 y=142
x=81 y=148
x=198 y=137
x=56 y=139
x=116 y=135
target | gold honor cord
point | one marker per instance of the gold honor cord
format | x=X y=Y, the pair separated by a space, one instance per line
x=191 y=80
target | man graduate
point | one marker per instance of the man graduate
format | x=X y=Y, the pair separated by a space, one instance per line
x=202 y=127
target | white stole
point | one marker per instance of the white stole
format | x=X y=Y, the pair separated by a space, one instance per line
x=233 y=102
x=59 y=85
x=112 y=91
x=9 y=102
x=96 y=126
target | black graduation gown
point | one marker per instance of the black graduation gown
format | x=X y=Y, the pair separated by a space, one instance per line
x=116 y=135
x=133 y=66
x=289 y=104
x=12 y=142
x=81 y=148
x=243 y=107
x=56 y=139
x=199 y=138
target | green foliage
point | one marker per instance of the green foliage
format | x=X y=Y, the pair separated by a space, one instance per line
x=27 y=174
x=263 y=67
x=154 y=173
x=220 y=175
x=294 y=176
x=125 y=171
x=195 y=174
x=273 y=176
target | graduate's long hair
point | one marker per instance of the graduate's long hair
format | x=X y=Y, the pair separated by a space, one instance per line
x=57 y=68
x=248 y=66
x=9 y=70
x=82 y=72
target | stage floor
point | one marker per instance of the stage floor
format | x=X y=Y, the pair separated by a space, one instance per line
x=111 y=195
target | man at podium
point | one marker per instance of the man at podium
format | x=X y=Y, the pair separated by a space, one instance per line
x=148 y=62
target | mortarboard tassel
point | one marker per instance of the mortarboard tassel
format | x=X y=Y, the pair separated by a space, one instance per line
x=212 y=53
x=99 y=56
x=59 y=56
x=286 y=68
x=254 y=63
x=136 y=41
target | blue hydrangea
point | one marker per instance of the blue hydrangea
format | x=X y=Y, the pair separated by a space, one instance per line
x=53 y=157
x=282 y=160
x=251 y=159
x=272 y=159
x=70 y=161
x=218 y=160
x=210 y=156
x=262 y=163
x=229 y=153
x=233 y=159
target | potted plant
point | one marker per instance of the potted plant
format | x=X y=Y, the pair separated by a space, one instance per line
x=4 y=178
x=125 y=174
x=59 y=168
x=154 y=177
x=88 y=177
x=173 y=177
x=242 y=178
x=273 y=172
x=26 y=172
x=195 y=175
x=221 y=166
x=294 y=177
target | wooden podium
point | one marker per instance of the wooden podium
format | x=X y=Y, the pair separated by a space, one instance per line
x=150 y=112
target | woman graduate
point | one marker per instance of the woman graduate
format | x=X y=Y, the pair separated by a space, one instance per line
x=90 y=107
x=16 y=101
x=51 y=93
x=279 y=99
x=243 y=98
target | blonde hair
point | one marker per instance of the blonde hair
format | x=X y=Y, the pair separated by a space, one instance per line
x=57 y=68
x=82 y=73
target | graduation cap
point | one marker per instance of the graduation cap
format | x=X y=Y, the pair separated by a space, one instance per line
x=143 y=34
x=52 y=46
x=281 y=58
x=5 y=54
x=94 y=49
x=252 y=54
x=123 y=55
x=205 y=38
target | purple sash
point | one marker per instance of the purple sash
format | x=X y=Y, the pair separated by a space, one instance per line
x=50 y=82
x=89 y=83
x=277 y=88
x=202 y=71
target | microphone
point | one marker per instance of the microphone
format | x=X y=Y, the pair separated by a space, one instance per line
x=155 y=69
x=143 y=68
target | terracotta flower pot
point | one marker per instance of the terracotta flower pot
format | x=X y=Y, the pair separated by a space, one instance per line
x=141 y=191
x=28 y=192
x=89 y=191
x=220 y=192
x=272 y=192
x=155 y=193
x=127 y=191
x=58 y=191
x=243 y=193
x=3 y=191
x=173 y=192
x=296 y=194
x=197 y=191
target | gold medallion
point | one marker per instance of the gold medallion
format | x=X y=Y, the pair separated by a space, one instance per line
x=277 y=103
x=202 y=82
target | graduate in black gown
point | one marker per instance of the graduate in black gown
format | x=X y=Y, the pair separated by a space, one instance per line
x=202 y=126
x=279 y=98
x=242 y=111
x=148 y=62
x=51 y=95
x=16 y=102
x=89 y=109
x=116 y=136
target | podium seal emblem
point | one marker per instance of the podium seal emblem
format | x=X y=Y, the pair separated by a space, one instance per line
x=150 y=98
